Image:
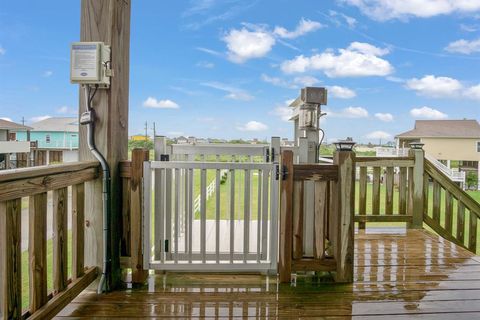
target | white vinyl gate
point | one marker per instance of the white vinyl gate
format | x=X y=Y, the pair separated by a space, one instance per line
x=235 y=228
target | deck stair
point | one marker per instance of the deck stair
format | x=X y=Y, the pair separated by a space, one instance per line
x=456 y=176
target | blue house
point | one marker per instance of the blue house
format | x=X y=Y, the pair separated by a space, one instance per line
x=56 y=137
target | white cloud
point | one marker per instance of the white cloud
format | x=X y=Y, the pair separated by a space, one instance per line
x=304 y=26
x=7 y=119
x=350 y=112
x=66 y=110
x=205 y=64
x=209 y=51
x=306 y=81
x=436 y=87
x=152 y=102
x=383 y=10
x=48 y=73
x=2 y=50
x=284 y=111
x=39 y=118
x=464 y=46
x=351 y=22
x=276 y=81
x=427 y=113
x=380 y=135
x=385 y=117
x=341 y=92
x=469 y=28
x=253 y=126
x=473 y=92
x=245 y=44
x=358 y=60
x=368 y=49
x=233 y=93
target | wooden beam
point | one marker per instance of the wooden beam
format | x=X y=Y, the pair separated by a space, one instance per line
x=139 y=275
x=383 y=218
x=315 y=172
x=30 y=186
x=78 y=230
x=60 y=241
x=286 y=212
x=298 y=219
x=417 y=192
x=314 y=265
x=10 y=259
x=59 y=301
x=37 y=249
x=107 y=21
x=346 y=226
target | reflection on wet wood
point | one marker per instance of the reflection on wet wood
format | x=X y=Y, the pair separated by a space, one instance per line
x=411 y=274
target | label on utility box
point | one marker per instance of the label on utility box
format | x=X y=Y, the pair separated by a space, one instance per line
x=85 y=62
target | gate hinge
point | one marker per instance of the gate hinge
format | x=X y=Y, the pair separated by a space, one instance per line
x=284 y=172
x=166 y=245
x=164 y=157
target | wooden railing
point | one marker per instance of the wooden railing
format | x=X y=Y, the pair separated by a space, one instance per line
x=131 y=173
x=448 y=210
x=333 y=227
x=390 y=189
x=33 y=184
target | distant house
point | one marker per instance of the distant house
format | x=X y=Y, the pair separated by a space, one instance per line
x=447 y=141
x=139 y=137
x=182 y=140
x=10 y=148
x=201 y=141
x=57 y=139
x=192 y=140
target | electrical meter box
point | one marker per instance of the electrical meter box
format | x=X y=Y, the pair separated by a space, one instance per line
x=314 y=95
x=90 y=64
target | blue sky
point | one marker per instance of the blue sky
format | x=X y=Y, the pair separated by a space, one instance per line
x=227 y=68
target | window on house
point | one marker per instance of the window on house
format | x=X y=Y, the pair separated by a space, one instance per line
x=47 y=138
x=478 y=146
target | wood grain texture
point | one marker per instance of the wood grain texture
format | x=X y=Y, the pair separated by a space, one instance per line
x=402 y=191
x=400 y=275
x=286 y=212
x=417 y=189
x=346 y=212
x=78 y=230
x=314 y=172
x=460 y=221
x=139 y=275
x=10 y=259
x=389 y=191
x=107 y=21
x=362 y=205
x=321 y=205
x=37 y=250
x=24 y=187
x=60 y=240
x=376 y=191
x=298 y=209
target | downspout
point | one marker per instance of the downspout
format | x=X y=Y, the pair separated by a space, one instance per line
x=89 y=119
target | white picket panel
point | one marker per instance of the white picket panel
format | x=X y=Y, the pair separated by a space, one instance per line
x=218 y=236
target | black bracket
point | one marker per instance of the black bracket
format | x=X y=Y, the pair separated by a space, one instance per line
x=273 y=154
x=284 y=172
x=267 y=155
x=164 y=157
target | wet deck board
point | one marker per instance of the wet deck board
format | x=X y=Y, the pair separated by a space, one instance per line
x=397 y=276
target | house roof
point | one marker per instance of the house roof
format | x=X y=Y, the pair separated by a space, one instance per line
x=68 y=124
x=443 y=129
x=9 y=125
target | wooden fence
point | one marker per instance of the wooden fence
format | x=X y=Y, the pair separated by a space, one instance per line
x=333 y=226
x=34 y=183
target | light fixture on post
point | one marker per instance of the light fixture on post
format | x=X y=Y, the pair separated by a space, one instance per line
x=416 y=145
x=344 y=145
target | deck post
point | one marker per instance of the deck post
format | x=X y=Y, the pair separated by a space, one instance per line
x=417 y=152
x=343 y=250
x=286 y=216
x=107 y=21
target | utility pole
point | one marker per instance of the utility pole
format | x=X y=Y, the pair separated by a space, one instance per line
x=146 y=130
x=107 y=21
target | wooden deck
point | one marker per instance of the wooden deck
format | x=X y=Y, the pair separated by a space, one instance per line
x=397 y=275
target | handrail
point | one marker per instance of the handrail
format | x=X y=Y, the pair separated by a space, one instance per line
x=459 y=176
x=34 y=183
x=464 y=201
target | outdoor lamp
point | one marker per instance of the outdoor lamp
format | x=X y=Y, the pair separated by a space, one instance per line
x=416 y=145
x=308 y=116
x=344 y=145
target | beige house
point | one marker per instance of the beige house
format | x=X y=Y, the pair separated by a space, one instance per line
x=447 y=141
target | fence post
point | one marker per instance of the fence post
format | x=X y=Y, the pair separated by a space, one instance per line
x=416 y=151
x=286 y=215
x=139 y=275
x=344 y=158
